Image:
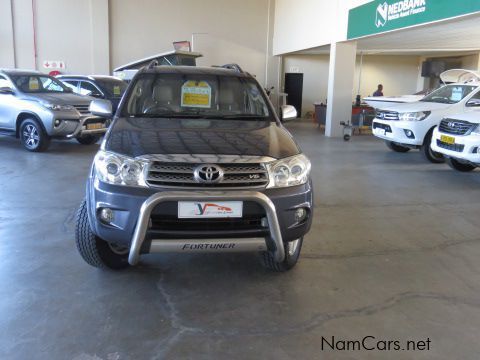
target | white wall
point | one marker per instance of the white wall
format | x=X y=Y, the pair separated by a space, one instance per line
x=306 y=24
x=398 y=74
x=315 y=78
x=7 y=54
x=237 y=30
x=94 y=36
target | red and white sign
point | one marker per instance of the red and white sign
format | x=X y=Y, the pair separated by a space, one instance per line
x=54 y=64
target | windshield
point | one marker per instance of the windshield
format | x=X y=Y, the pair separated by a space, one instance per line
x=449 y=94
x=112 y=87
x=38 y=84
x=196 y=96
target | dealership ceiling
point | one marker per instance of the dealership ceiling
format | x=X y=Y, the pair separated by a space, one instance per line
x=459 y=36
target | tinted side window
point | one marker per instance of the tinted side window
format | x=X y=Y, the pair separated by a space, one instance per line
x=71 y=84
x=87 y=88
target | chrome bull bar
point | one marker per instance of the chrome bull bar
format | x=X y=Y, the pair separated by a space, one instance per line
x=175 y=244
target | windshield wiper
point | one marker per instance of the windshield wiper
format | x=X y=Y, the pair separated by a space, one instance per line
x=168 y=115
x=244 y=117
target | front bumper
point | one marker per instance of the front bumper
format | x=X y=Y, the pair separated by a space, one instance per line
x=395 y=131
x=465 y=148
x=72 y=128
x=134 y=207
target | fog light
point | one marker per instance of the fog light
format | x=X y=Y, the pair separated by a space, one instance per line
x=409 y=134
x=300 y=214
x=57 y=122
x=106 y=215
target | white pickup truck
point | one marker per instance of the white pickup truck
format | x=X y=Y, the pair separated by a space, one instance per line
x=458 y=139
x=408 y=126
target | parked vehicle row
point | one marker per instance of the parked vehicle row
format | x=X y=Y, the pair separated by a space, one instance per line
x=36 y=108
x=444 y=125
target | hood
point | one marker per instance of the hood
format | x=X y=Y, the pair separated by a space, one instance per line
x=470 y=116
x=146 y=136
x=415 y=106
x=459 y=76
x=61 y=98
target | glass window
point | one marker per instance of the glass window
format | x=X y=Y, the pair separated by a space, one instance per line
x=112 y=87
x=71 y=84
x=449 y=94
x=196 y=95
x=38 y=83
x=87 y=88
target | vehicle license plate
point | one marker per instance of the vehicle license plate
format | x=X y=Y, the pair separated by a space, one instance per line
x=210 y=209
x=450 y=140
x=95 y=126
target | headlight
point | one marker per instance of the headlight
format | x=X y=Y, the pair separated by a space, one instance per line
x=119 y=170
x=291 y=171
x=414 y=116
x=56 y=107
x=476 y=131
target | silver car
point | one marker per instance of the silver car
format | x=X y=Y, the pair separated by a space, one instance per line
x=36 y=108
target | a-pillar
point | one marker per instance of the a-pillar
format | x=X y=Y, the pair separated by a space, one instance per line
x=340 y=86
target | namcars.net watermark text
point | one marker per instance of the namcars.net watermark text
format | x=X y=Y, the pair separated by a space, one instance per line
x=372 y=343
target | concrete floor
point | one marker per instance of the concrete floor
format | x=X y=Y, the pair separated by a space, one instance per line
x=393 y=253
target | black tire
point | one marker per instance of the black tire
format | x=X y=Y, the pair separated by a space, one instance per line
x=346 y=137
x=88 y=139
x=457 y=165
x=427 y=151
x=32 y=136
x=396 y=147
x=94 y=250
x=289 y=262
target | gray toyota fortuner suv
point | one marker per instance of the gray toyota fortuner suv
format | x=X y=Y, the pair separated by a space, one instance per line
x=195 y=160
x=36 y=107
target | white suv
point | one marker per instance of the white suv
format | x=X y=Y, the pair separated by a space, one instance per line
x=458 y=139
x=410 y=125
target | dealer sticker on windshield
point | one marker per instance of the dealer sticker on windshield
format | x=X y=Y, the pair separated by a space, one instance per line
x=196 y=94
x=210 y=209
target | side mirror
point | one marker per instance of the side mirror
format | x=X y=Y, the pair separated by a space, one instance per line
x=102 y=108
x=288 y=112
x=6 y=90
x=473 y=103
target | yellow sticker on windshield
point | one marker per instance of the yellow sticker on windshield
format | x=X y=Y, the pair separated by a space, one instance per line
x=116 y=90
x=197 y=94
x=33 y=83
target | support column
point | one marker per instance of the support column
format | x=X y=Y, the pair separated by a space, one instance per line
x=340 y=86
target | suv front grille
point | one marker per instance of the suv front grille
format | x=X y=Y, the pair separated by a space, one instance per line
x=455 y=127
x=82 y=109
x=386 y=115
x=164 y=174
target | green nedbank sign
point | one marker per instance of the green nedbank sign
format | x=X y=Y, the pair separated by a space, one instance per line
x=384 y=15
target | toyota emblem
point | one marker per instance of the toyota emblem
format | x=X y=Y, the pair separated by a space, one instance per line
x=208 y=173
x=451 y=124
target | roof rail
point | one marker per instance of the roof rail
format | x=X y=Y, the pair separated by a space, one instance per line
x=232 y=66
x=152 y=64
